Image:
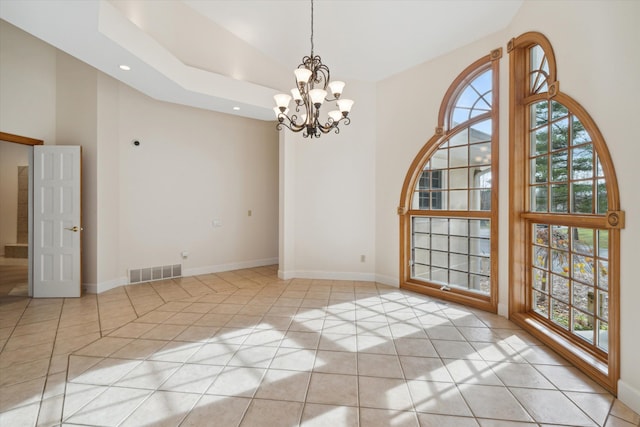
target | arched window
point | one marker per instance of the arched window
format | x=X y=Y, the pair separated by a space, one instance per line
x=448 y=207
x=565 y=217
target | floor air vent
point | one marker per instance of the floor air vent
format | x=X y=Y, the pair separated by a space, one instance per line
x=149 y=274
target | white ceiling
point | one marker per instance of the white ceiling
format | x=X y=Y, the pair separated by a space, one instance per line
x=217 y=54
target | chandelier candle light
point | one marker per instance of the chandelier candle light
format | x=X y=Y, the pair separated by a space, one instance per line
x=312 y=82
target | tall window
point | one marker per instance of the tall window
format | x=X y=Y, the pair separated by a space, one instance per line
x=448 y=226
x=565 y=217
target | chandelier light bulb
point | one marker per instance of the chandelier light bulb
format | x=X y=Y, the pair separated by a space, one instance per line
x=336 y=87
x=335 y=115
x=317 y=96
x=302 y=75
x=345 y=106
x=296 y=95
x=282 y=100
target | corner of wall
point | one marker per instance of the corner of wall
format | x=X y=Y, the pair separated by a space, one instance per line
x=629 y=395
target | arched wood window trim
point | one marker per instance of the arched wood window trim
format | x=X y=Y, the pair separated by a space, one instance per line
x=602 y=367
x=442 y=132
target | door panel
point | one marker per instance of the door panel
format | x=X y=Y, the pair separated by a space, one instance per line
x=56 y=221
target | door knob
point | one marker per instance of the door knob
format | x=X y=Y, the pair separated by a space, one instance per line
x=74 y=229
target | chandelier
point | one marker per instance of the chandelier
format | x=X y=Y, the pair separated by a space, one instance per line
x=313 y=85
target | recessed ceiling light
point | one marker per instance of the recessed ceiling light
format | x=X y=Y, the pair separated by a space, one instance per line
x=125 y=67
x=236 y=108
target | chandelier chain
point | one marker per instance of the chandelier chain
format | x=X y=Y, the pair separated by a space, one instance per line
x=312 y=28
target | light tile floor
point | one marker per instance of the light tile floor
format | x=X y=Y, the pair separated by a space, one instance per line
x=244 y=348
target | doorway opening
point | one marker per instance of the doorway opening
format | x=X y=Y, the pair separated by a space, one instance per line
x=16 y=153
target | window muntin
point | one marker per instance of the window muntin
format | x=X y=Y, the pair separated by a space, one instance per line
x=447 y=248
x=566 y=176
x=565 y=218
x=570 y=279
x=452 y=251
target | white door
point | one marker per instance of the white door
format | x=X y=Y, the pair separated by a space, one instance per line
x=56 y=221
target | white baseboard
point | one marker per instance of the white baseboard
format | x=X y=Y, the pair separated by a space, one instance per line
x=629 y=395
x=330 y=275
x=286 y=275
x=229 y=267
x=93 y=288
x=98 y=288
x=388 y=280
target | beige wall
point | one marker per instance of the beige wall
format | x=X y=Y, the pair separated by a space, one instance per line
x=330 y=197
x=594 y=44
x=141 y=208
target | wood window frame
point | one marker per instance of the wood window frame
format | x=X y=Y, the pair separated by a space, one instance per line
x=602 y=367
x=405 y=213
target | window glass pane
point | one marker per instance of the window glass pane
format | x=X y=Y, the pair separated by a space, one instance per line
x=559 y=198
x=458 y=178
x=560 y=262
x=440 y=243
x=540 y=303
x=603 y=274
x=421 y=241
x=539 y=199
x=582 y=162
x=539 y=114
x=480 y=200
x=582 y=241
x=583 y=325
x=603 y=305
x=558 y=110
x=540 y=169
x=583 y=269
x=479 y=246
x=559 y=166
x=457 y=278
x=459 y=244
x=440 y=259
x=458 y=262
x=541 y=234
x=579 y=135
x=480 y=132
x=603 y=244
x=460 y=115
x=421 y=225
x=460 y=138
x=560 y=134
x=479 y=265
x=560 y=287
x=541 y=257
x=583 y=297
x=480 y=154
x=458 y=227
x=458 y=156
x=440 y=159
x=540 y=141
x=479 y=228
x=421 y=256
x=560 y=237
x=458 y=200
x=603 y=202
x=560 y=313
x=439 y=226
x=582 y=197
x=603 y=335
x=540 y=280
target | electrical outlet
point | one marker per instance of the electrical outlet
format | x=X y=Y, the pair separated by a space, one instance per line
x=363 y=258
